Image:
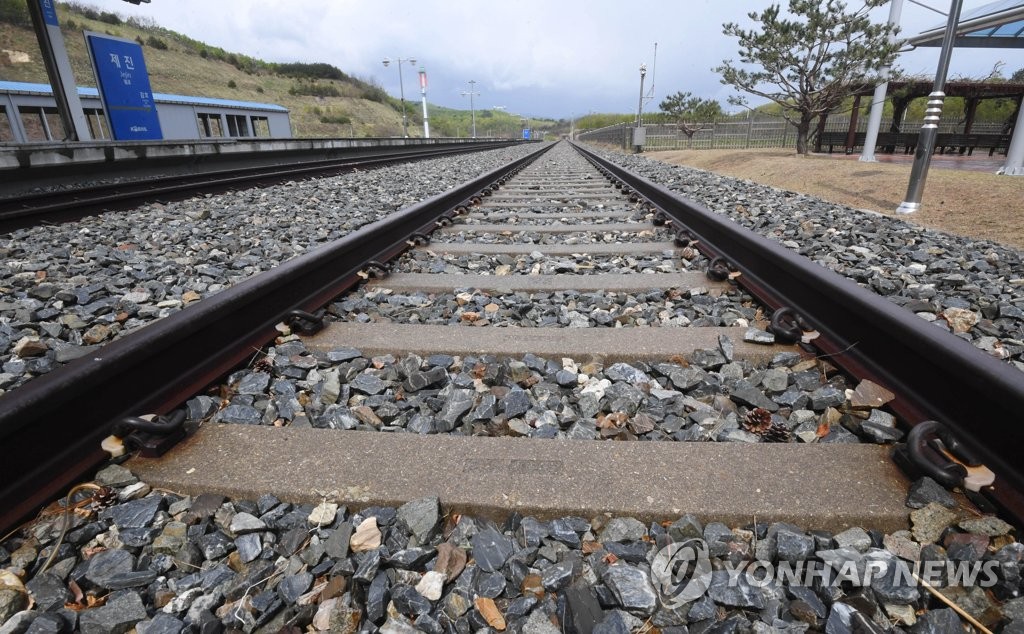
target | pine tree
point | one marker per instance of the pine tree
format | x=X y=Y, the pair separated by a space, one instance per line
x=809 y=60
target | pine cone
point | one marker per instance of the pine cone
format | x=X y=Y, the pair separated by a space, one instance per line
x=104 y=497
x=777 y=433
x=758 y=421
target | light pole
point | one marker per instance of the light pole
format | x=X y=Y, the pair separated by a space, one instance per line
x=401 y=88
x=638 y=134
x=472 y=110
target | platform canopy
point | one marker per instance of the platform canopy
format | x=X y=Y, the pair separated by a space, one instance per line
x=998 y=24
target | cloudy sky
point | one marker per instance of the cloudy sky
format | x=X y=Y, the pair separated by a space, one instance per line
x=551 y=59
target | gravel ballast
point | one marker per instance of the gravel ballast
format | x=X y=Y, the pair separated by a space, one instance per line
x=159 y=562
x=972 y=288
x=69 y=288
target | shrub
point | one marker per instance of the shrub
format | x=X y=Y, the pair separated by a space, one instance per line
x=314 y=89
x=335 y=118
x=204 y=53
x=232 y=84
x=375 y=93
x=259 y=89
x=156 y=43
x=109 y=18
x=300 y=70
x=15 y=12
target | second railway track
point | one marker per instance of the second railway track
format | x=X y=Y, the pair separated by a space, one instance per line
x=507 y=334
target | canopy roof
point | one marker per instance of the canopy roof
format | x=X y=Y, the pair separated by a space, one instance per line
x=998 y=24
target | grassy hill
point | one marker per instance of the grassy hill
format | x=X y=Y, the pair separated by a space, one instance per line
x=323 y=100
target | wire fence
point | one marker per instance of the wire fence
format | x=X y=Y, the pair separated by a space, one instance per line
x=755 y=132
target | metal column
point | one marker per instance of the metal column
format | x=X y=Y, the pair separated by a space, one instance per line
x=930 y=129
x=1014 y=165
x=867 y=154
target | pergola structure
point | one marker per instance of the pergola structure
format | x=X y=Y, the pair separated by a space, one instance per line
x=902 y=93
x=998 y=24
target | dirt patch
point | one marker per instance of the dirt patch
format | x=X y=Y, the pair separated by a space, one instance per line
x=977 y=204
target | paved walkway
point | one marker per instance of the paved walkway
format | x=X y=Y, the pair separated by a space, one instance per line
x=980 y=162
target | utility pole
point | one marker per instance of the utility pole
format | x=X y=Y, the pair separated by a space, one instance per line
x=639 y=134
x=472 y=110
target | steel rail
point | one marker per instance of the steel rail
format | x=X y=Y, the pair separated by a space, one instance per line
x=52 y=426
x=64 y=205
x=934 y=374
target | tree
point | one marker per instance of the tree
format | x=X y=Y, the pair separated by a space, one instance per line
x=1018 y=77
x=690 y=112
x=683 y=105
x=808 y=63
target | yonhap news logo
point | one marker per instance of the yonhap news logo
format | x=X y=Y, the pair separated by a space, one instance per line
x=681 y=572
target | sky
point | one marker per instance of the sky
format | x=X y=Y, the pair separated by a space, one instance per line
x=553 y=59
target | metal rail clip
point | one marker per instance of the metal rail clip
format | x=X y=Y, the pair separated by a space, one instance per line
x=305 y=323
x=932 y=450
x=151 y=438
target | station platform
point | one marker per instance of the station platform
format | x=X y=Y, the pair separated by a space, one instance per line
x=31 y=155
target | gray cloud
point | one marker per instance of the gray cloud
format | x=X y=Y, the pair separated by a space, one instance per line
x=538 y=58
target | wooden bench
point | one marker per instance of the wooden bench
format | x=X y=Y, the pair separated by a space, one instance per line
x=966 y=143
x=888 y=141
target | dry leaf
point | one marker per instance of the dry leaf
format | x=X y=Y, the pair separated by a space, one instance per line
x=609 y=558
x=90 y=603
x=490 y=613
x=615 y=419
x=679 y=360
x=823 y=430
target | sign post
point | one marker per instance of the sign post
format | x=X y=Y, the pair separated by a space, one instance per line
x=423 y=94
x=124 y=88
x=58 y=69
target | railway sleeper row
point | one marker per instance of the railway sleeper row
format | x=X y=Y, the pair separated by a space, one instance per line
x=562 y=533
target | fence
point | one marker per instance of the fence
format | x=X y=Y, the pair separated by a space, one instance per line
x=748 y=133
x=760 y=132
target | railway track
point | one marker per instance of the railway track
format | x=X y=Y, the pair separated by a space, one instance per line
x=559 y=300
x=118 y=186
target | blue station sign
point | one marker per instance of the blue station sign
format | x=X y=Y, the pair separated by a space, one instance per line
x=49 y=12
x=124 y=87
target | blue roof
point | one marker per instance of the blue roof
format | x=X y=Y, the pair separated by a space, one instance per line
x=89 y=91
x=997 y=24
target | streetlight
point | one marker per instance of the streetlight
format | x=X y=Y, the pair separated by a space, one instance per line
x=471 y=93
x=401 y=88
x=638 y=133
